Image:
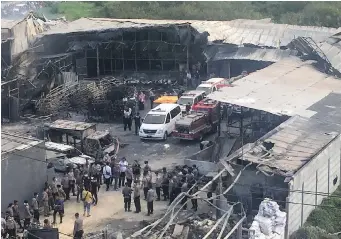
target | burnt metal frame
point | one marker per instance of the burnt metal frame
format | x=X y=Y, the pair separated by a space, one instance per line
x=258 y=114
x=132 y=44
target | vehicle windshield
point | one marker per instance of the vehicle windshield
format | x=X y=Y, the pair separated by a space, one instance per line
x=106 y=141
x=154 y=119
x=185 y=101
x=206 y=89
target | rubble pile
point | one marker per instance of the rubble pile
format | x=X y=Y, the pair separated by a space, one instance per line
x=103 y=100
x=270 y=222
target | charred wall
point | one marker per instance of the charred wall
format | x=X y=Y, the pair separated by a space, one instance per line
x=152 y=49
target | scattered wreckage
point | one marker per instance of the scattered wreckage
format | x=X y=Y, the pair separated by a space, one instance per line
x=62 y=156
x=84 y=136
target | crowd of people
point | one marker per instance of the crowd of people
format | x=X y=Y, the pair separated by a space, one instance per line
x=84 y=182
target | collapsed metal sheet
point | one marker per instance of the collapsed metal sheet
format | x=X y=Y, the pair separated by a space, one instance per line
x=256 y=54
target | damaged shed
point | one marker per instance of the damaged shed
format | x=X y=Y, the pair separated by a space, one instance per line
x=297 y=164
x=17 y=36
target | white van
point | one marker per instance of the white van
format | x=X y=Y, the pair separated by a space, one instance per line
x=160 y=121
x=208 y=88
x=192 y=97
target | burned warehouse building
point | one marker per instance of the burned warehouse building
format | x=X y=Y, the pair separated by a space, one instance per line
x=266 y=127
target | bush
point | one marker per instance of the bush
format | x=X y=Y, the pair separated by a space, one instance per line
x=300 y=13
x=311 y=232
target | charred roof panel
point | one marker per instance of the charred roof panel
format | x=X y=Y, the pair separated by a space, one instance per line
x=256 y=54
x=295 y=142
x=71 y=125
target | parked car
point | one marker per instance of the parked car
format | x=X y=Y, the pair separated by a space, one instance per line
x=160 y=121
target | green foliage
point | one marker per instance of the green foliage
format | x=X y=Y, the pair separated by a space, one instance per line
x=310 y=232
x=328 y=215
x=301 y=13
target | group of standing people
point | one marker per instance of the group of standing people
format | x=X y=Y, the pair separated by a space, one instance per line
x=84 y=183
x=167 y=185
x=52 y=198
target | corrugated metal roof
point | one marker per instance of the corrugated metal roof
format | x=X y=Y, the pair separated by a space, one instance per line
x=256 y=54
x=10 y=143
x=256 y=32
x=287 y=87
x=71 y=125
x=102 y=24
x=296 y=142
x=332 y=49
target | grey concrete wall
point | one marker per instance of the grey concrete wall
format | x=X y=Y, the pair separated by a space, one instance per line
x=203 y=166
x=22 y=176
x=315 y=179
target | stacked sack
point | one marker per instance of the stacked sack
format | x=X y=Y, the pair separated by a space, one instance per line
x=270 y=222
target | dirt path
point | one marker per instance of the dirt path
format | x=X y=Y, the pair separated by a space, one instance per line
x=110 y=210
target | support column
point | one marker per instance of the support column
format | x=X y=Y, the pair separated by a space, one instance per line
x=287 y=204
x=9 y=100
x=112 y=72
x=302 y=205
x=328 y=176
x=187 y=55
x=219 y=198
x=316 y=187
x=229 y=69
x=161 y=57
x=97 y=57
x=207 y=69
x=240 y=231
x=241 y=129
x=122 y=54
x=150 y=63
x=219 y=121
x=135 y=53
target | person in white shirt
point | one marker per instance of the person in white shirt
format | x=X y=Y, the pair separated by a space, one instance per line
x=127 y=118
x=107 y=175
x=123 y=168
x=106 y=157
x=189 y=79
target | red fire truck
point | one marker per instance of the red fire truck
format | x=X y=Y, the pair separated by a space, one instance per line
x=203 y=119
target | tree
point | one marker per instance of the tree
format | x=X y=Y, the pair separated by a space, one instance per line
x=301 y=13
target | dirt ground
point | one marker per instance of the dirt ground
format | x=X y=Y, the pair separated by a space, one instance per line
x=109 y=211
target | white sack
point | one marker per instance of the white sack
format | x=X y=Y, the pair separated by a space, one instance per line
x=268 y=208
x=279 y=229
x=281 y=218
x=255 y=226
x=265 y=224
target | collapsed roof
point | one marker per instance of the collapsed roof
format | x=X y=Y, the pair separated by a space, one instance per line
x=291 y=145
x=237 y=32
x=327 y=51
